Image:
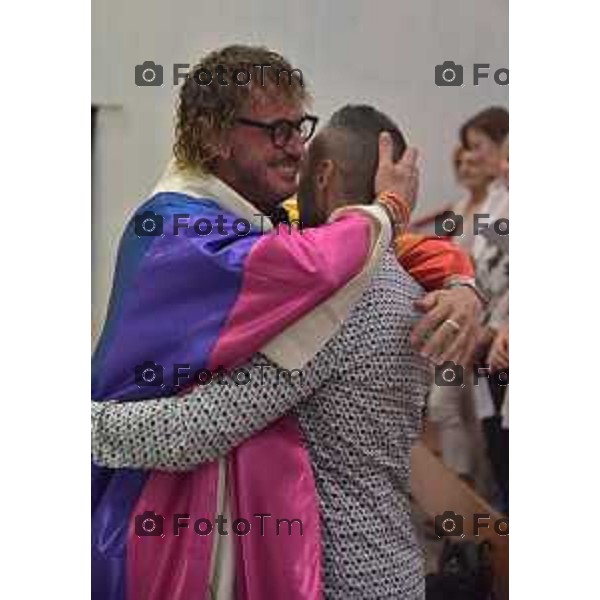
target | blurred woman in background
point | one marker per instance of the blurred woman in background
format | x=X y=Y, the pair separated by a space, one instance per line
x=495 y=425
x=451 y=409
x=486 y=137
x=483 y=137
x=472 y=175
x=458 y=412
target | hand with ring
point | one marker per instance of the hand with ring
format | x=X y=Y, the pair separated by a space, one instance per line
x=449 y=328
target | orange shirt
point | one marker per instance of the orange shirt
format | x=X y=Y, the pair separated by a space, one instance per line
x=432 y=261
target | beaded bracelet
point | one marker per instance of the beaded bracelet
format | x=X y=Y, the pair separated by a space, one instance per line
x=398 y=209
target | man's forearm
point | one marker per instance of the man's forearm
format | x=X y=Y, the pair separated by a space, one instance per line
x=432 y=261
x=178 y=433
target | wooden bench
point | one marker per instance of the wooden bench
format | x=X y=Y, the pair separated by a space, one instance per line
x=436 y=489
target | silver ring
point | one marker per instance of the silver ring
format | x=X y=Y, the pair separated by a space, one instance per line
x=452 y=324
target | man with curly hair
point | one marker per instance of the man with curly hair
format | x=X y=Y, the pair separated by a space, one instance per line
x=265 y=299
x=221 y=128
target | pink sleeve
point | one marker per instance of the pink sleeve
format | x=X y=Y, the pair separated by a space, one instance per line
x=289 y=272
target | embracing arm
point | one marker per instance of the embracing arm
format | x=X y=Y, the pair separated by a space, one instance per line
x=432 y=261
x=339 y=250
x=178 y=433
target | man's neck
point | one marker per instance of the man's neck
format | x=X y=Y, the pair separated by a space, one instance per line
x=337 y=200
x=203 y=184
x=243 y=190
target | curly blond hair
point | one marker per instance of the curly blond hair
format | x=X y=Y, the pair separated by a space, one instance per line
x=206 y=110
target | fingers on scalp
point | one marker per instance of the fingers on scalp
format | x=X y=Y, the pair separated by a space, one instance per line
x=410 y=156
x=385 y=147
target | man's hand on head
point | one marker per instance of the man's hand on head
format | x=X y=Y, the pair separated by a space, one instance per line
x=450 y=326
x=401 y=177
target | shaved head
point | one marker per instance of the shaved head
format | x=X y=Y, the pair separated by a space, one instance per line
x=358 y=128
x=342 y=162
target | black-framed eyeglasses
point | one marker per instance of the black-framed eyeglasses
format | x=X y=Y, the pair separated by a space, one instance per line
x=282 y=130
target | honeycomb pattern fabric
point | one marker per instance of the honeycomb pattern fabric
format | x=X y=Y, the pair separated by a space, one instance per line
x=359 y=403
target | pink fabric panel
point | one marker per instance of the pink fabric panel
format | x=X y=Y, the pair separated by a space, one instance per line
x=273 y=476
x=286 y=275
x=173 y=567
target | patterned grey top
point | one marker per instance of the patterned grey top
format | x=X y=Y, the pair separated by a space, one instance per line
x=359 y=403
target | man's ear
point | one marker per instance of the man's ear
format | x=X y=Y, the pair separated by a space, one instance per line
x=324 y=174
x=328 y=186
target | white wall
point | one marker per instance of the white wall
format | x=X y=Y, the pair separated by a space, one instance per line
x=381 y=52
